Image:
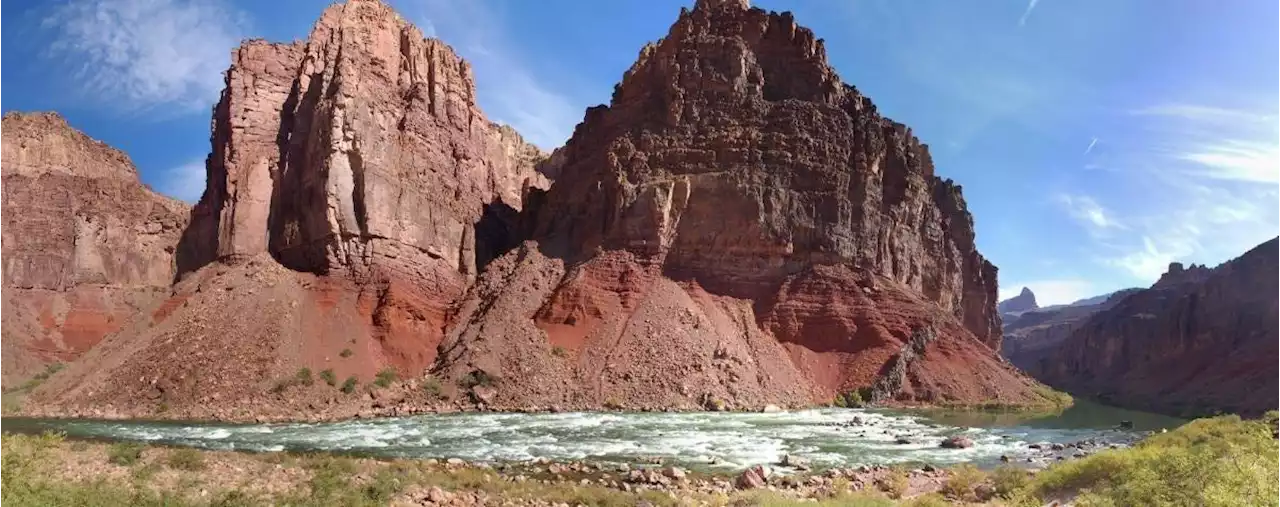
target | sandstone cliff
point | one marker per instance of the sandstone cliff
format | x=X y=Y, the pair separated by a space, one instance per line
x=354 y=191
x=737 y=225
x=1199 y=340
x=85 y=244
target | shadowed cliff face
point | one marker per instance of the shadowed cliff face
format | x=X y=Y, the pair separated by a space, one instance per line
x=744 y=223
x=85 y=242
x=1199 y=340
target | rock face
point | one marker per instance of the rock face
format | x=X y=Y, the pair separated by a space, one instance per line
x=360 y=152
x=1199 y=340
x=1023 y=302
x=86 y=244
x=1031 y=339
x=354 y=192
x=738 y=224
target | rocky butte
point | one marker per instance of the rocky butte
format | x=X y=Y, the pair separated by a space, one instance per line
x=354 y=187
x=737 y=228
x=86 y=245
x=1200 y=340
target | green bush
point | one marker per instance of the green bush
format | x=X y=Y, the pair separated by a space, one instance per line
x=329 y=377
x=346 y=353
x=124 y=453
x=1009 y=480
x=385 y=377
x=304 y=377
x=961 y=484
x=349 y=385
x=851 y=399
x=1221 y=461
x=186 y=459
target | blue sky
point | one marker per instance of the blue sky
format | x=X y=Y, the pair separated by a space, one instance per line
x=1096 y=140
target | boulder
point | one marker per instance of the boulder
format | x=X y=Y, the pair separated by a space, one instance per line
x=753 y=478
x=956 y=442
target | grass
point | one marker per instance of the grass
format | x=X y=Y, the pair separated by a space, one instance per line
x=186 y=459
x=385 y=377
x=329 y=377
x=124 y=453
x=1220 y=461
x=349 y=385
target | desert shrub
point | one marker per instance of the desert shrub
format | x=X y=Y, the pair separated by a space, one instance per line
x=963 y=480
x=349 y=385
x=1220 y=461
x=385 y=377
x=303 y=377
x=559 y=351
x=896 y=483
x=432 y=387
x=476 y=378
x=329 y=377
x=124 y=453
x=1008 y=480
x=929 y=500
x=346 y=353
x=186 y=459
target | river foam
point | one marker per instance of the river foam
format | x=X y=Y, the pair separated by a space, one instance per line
x=827 y=437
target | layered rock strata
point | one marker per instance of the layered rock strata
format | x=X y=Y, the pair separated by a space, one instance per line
x=86 y=245
x=737 y=224
x=1198 y=341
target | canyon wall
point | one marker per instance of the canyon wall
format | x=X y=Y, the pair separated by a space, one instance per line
x=85 y=244
x=1199 y=341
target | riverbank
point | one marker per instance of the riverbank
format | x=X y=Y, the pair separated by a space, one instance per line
x=49 y=470
x=1222 y=461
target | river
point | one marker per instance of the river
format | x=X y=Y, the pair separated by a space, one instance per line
x=701 y=440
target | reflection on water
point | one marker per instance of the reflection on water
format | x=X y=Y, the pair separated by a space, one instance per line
x=1084 y=414
x=707 y=440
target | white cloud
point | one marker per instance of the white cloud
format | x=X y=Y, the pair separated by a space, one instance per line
x=1027 y=13
x=1234 y=159
x=1202 y=113
x=141 y=54
x=508 y=91
x=1150 y=261
x=185 y=182
x=1088 y=211
x=1051 y=292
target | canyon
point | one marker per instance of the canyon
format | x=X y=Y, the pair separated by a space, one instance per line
x=738 y=228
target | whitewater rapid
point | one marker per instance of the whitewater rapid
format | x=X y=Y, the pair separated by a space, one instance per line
x=827 y=437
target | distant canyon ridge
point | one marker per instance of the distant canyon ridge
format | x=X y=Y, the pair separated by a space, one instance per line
x=737 y=228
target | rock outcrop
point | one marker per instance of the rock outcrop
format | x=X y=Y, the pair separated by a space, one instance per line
x=740 y=225
x=1031 y=338
x=86 y=245
x=1198 y=341
x=1025 y=301
x=737 y=229
x=356 y=174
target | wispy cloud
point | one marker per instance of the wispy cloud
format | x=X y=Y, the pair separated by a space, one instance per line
x=1218 y=143
x=1202 y=113
x=1031 y=6
x=1092 y=142
x=1051 y=292
x=143 y=54
x=509 y=91
x=1088 y=211
x=185 y=182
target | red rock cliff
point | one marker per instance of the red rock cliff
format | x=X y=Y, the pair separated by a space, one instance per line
x=85 y=245
x=1199 y=340
x=738 y=224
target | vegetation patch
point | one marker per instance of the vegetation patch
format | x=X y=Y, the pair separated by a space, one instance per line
x=346 y=353
x=186 y=459
x=385 y=377
x=328 y=377
x=124 y=453
x=432 y=387
x=349 y=385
